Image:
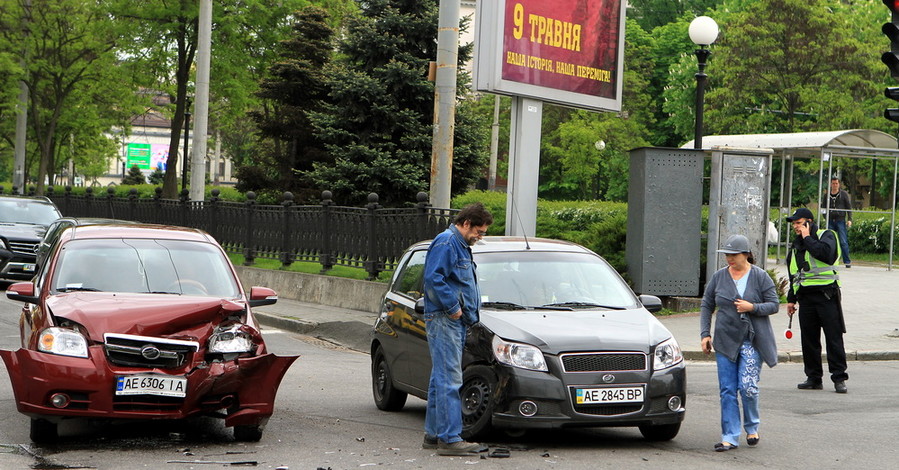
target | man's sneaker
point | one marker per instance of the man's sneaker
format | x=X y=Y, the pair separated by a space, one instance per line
x=430 y=442
x=848 y=266
x=458 y=448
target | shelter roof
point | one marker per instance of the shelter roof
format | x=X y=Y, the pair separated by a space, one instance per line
x=809 y=141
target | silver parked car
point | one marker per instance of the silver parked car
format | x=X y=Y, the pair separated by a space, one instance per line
x=562 y=342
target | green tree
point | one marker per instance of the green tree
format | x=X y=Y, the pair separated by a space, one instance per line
x=134 y=176
x=377 y=124
x=74 y=81
x=296 y=86
x=786 y=66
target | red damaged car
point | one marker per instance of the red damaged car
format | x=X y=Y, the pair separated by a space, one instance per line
x=133 y=321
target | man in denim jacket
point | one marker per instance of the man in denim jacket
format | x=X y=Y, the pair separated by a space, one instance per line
x=452 y=301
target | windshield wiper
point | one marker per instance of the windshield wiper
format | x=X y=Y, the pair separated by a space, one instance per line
x=80 y=289
x=513 y=306
x=583 y=305
x=504 y=305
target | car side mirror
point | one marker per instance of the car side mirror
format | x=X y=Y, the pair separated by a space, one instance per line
x=22 y=291
x=651 y=303
x=260 y=296
x=420 y=306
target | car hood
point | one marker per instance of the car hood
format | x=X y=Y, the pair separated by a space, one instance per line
x=22 y=231
x=143 y=314
x=556 y=332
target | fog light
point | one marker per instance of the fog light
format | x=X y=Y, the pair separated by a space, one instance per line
x=527 y=408
x=60 y=400
x=674 y=403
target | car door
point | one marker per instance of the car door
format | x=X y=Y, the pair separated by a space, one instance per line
x=407 y=352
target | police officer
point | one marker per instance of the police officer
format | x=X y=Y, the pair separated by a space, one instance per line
x=815 y=289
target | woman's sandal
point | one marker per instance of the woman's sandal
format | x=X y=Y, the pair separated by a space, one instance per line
x=724 y=447
x=752 y=440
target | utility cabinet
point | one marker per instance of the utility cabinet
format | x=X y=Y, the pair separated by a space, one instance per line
x=664 y=220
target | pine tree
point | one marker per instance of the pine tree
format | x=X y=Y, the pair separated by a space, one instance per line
x=134 y=176
x=378 y=122
x=296 y=86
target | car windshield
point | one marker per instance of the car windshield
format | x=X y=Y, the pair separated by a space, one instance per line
x=551 y=279
x=27 y=211
x=144 y=266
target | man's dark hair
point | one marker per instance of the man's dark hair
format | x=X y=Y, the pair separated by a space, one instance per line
x=835 y=178
x=476 y=214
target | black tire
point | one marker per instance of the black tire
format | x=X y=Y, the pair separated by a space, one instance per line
x=43 y=431
x=661 y=432
x=478 y=392
x=387 y=398
x=247 y=433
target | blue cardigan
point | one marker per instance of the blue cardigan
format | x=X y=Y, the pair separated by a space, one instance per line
x=731 y=328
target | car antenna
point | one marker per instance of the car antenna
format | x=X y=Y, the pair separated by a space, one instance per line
x=524 y=234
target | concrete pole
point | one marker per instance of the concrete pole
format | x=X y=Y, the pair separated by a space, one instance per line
x=18 y=173
x=445 y=103
x=494 y=145
x=201 y=103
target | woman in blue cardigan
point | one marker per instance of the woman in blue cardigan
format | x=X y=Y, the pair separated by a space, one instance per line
x=744 y=296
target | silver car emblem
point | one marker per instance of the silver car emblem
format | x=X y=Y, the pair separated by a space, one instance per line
x=608 y=378
x=150 y=352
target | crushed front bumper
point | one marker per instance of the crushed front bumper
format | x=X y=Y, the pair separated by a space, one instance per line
x=245 y=387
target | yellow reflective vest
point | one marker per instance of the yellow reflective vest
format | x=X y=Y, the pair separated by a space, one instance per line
x=819 y=272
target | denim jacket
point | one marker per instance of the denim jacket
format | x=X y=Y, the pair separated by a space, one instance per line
x=450 y=279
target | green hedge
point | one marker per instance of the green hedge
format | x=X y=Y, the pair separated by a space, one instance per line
x=598 y=225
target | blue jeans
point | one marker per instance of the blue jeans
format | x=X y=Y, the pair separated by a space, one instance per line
x=839 y=226
x=443 y=418
x=743 y=376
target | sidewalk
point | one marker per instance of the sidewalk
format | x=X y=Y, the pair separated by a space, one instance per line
x=870 y=305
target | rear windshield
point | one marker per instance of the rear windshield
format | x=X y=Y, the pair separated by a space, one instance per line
x=145 y=266
x=27 y=211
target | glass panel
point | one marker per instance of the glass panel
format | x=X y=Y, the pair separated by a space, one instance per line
x=541 y=278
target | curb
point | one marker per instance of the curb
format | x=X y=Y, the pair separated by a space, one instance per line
x=796 y=356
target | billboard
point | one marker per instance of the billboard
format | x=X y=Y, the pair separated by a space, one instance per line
x=147 y=156
x=568 y=52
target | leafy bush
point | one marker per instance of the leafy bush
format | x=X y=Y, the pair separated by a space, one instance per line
x=871 y=235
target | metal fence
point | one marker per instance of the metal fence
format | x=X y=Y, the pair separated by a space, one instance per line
x=371 y=237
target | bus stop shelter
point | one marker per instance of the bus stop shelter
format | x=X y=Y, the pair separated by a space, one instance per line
x=823 y=146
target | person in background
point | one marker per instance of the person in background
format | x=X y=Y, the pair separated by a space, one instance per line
x=452 y=303
x=745 y=297
x=839 y=216
x=815 y=292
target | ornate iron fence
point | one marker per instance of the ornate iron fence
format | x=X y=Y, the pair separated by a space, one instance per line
x=370 y=237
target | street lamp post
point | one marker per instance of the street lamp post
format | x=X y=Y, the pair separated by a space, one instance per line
x=184 y=161
x=703 y=32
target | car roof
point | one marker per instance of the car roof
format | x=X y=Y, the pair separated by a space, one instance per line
x=126 y=229
x=38 y=199
x=498 y=244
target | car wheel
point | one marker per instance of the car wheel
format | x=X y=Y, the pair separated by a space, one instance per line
x=43 y=431
x=387 y=397
x=247 y=433
x=661 y=432
x=478 y=388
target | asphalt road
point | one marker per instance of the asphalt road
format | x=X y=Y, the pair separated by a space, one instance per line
x=325 y=418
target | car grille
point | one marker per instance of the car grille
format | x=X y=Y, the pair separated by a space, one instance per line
x=145 y=351
x=603 y=362
x=25 y=248
x=608 y=410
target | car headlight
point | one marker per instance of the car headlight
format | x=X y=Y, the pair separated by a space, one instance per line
x=520 y=355
x=667 y=354
x=231 y=339
x=63 y=342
